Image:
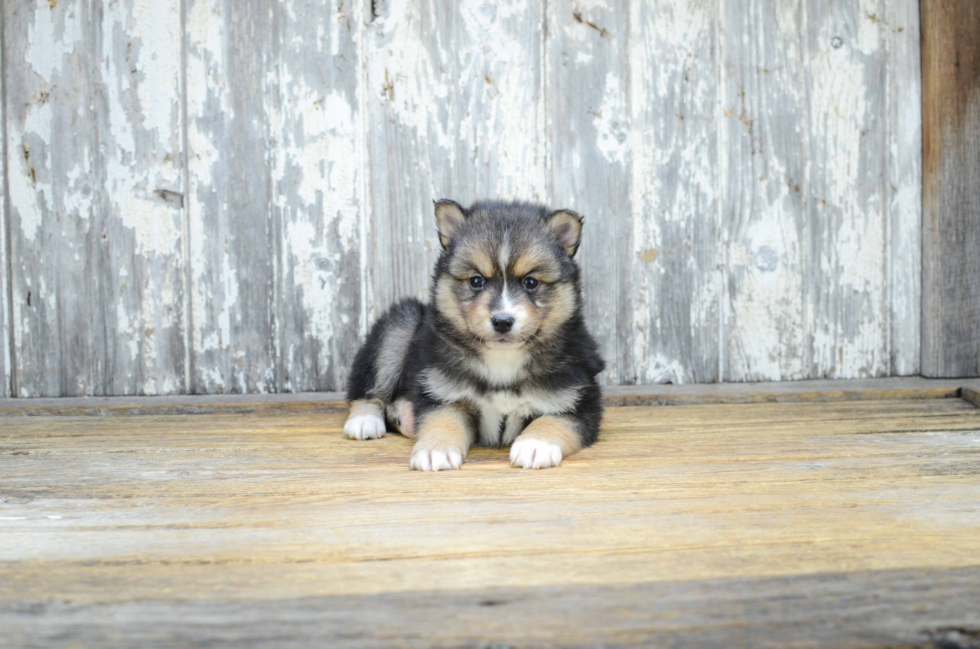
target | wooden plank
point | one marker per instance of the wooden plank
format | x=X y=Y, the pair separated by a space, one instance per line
x=951 y=197
x=673 y=315
x=454 y=94
x=848 y=315
x=972 y=395
x=811 y=258
x=56 y=190
x=250 y=507
x=319 y=183
x=587 y=88
x=763 y=142
x=649 y=395
x=94 y=226
x=231 y=195
x=140 y=140
x=848 y=524
x=904 y=187
x=925 y=608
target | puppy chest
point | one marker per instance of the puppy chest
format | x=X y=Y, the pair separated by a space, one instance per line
x=501 y=417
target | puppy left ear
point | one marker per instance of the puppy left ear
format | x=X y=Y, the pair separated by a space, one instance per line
x=450 y=216
x=567 y=228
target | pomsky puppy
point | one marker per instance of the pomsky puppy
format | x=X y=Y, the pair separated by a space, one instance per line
x=500 y=355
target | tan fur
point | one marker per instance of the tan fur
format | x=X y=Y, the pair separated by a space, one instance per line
x=478 y=314
x=560 y=307
x=449 y=218
x=539 y=260
x=567 y=226
x=366 y=407
x=469 y=260
x=444 y=427
x=447 y=304
x=557 y=430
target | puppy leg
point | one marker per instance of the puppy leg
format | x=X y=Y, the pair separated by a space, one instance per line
x=366 y=420
x=545 y=442
x=401 y=415
x=443 y=439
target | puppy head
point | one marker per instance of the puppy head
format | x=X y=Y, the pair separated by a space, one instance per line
x=506 y=276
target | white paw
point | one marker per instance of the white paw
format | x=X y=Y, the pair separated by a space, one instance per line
x=533 y=453
x=365 y=427
x=435 y=459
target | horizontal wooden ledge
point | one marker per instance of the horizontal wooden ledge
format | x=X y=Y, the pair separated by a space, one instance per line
x=631 y=395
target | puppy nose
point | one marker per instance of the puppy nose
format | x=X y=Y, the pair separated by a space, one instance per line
x=502 y=323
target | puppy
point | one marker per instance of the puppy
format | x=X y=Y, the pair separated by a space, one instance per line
x=499 y=356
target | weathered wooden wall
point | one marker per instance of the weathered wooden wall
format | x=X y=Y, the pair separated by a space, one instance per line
x=951 y=188
x=221 y=195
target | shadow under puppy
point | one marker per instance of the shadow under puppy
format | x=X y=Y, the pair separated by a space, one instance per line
x=500 y=355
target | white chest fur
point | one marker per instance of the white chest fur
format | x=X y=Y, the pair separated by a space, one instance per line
x=502 y=366
x=496 y=405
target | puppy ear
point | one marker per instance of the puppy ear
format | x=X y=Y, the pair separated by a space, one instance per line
x=567 y=228
x=449 y=218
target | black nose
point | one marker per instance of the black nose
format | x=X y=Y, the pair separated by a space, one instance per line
x=502 y=323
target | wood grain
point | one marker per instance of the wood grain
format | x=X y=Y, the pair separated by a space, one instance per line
x=55 y=198
x=903 y=189
x=231 y=195
x=847 y=312
x=921 y=608
x=671 y=323
x=140 y=128
x=6 y=345
x=650 y=395
x=320 y=205
x=764 y=134
x=951 y=196
x=454 y=93
x=588 y=125
x=221 y=197
x=239 y=511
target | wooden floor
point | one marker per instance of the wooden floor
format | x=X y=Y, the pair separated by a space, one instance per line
x=853 y=523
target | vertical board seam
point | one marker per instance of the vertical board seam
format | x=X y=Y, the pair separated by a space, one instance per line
x=97 y=97
x=721 y=151
x=276 y=205
x=7 y=224
x=806 y=249
x=367 y=195
x=187 y=275
x=922 y=199
x=624 y=346
x=549 y=181
x=888 y=295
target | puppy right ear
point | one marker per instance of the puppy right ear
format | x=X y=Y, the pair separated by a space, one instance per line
x=449 y=218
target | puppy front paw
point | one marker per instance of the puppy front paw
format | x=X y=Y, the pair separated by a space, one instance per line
x=364 y=427
x=531 y=453
x=426 y=457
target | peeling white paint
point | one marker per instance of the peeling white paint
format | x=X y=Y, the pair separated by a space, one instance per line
x=612 y=123
x=54 y=35
x=773 y=193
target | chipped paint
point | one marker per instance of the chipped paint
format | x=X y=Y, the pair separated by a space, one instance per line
x=749 y=172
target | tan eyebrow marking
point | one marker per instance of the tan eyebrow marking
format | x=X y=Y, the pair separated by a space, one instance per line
x=537 y=260
x=469 y=259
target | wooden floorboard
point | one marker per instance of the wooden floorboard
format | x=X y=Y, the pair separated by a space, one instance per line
x=816 y=523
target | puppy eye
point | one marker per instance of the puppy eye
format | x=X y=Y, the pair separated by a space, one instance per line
x=530 y=283
x=477 y=282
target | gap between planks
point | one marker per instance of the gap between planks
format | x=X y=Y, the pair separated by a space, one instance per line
x=645 y=395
